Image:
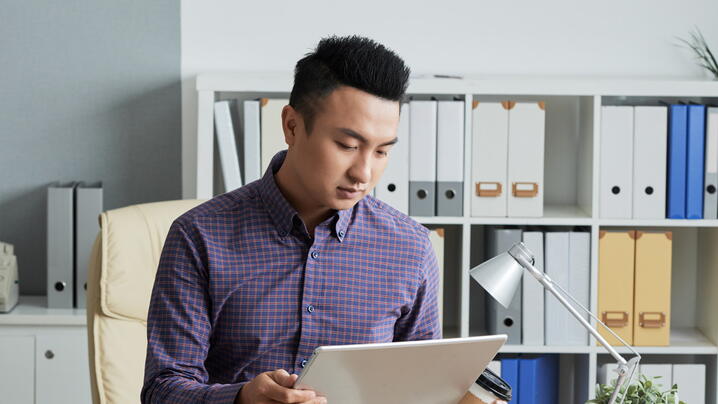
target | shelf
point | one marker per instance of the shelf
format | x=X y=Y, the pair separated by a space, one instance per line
x=658 y=223
x=439 y=219
x=32 y=310
x=504 y=85
x=684 y=341
x=536 y=349
x=554 y=215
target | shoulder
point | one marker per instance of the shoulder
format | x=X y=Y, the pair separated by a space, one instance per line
x=230 y=206
x=387 y=220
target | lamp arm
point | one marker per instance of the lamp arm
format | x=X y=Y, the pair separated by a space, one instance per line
x=623 y=364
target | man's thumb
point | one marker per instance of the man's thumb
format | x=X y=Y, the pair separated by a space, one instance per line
x=284 y=379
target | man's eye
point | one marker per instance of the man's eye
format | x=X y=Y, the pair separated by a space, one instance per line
x=347 y=147
x=383 y=153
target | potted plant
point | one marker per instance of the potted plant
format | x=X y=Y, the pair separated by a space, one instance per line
x=644 y=391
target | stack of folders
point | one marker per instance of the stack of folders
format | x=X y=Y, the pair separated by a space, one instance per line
x=672 y=152
x=536 y=317
x=634 y=286
x=533 y=378
x=72 y=226
x=425 y=172
x=507 y=159
x=690 y=378
x=261 y=137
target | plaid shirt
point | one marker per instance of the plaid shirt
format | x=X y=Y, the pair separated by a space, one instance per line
x=243 y=289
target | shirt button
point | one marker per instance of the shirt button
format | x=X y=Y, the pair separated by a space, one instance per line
x=341 y=233
x=303 y=363
x=315 y=254
x=310 y=308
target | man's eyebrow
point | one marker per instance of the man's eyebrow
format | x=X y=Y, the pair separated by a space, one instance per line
x=357 y=136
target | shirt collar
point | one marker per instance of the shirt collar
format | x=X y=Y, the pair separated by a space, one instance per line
x=281 y=211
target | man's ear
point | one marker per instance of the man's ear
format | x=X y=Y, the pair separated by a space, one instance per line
x=290 y=124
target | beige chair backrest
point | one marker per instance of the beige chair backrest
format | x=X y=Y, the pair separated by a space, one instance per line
x=121 y=274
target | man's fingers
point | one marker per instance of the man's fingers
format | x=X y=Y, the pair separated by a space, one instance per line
x=285 y=395
x=281 y=389
x=282 y=378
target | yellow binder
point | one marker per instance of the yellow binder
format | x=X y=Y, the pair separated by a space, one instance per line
x=615 y=284
x=652 y=297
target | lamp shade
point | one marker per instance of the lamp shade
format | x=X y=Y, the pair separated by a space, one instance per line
x=500 y=277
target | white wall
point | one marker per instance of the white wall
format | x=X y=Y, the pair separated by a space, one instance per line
x=599 y=38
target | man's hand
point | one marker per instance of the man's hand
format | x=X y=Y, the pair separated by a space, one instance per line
x=276 y=387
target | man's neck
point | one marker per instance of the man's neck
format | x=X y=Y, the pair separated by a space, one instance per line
x=288 y=186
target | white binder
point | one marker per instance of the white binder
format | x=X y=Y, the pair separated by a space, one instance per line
x=489 y=154
x=393 y=187
x=227 y=146
x=579 y=265
x=650 y=137
x=60 y=245
x=710 y=191
x=450 y=159
x=664 y=372
x=88 y=207
x=527 y=125
x=422 y=158
x=251 y=140
x=271 y=128
x=556 y=267
x=533 y=298
x=691 y=381
x=616 y=162
x=437 y=241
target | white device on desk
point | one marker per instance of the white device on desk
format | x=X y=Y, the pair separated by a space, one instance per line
x=9 y=284
x=417 y=372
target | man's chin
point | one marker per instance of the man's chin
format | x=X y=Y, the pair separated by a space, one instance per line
x=344 y=204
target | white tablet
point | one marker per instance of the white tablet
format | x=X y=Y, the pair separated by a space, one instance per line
x=417 y=372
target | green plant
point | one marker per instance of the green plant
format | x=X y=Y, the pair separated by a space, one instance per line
x=703 y=53
x=643 y=391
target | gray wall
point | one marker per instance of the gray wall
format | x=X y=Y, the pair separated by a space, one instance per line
x=89 y=90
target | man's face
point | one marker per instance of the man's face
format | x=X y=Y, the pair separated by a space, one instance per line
x=345 y=154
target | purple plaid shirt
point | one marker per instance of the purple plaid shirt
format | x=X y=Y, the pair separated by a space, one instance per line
x=243 y=289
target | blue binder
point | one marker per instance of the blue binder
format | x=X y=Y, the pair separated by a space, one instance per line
x=677 y=148
x=510 y=374
x=538 y=380
x=696 y=157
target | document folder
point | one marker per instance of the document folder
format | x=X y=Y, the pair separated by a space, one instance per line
x=489 y=158
x=616 y=255
x=422 y=158
x=652 y=297
x=393 y=187
x=450 y=159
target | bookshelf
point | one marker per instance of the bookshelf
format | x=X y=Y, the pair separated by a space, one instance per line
x=571 y=198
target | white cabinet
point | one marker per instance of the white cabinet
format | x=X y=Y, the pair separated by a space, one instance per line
x=43 y=355
x=17 y=368
x=61 y=368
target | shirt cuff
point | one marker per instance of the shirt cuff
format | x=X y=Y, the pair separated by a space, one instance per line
x=223 y=393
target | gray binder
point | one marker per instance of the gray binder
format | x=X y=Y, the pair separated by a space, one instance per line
x=88 y=207
x=450 y=159
x=501 y=320
x=422 y=158
x=710 y=189
x=60 y=245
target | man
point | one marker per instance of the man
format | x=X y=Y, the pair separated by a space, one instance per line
x=250 y=282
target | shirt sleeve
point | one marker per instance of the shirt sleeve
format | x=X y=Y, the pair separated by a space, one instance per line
x=421 y=321
x=179 y=328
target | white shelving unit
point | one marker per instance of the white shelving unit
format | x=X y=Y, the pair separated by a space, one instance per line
x=573 y=127
x=44 y=354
